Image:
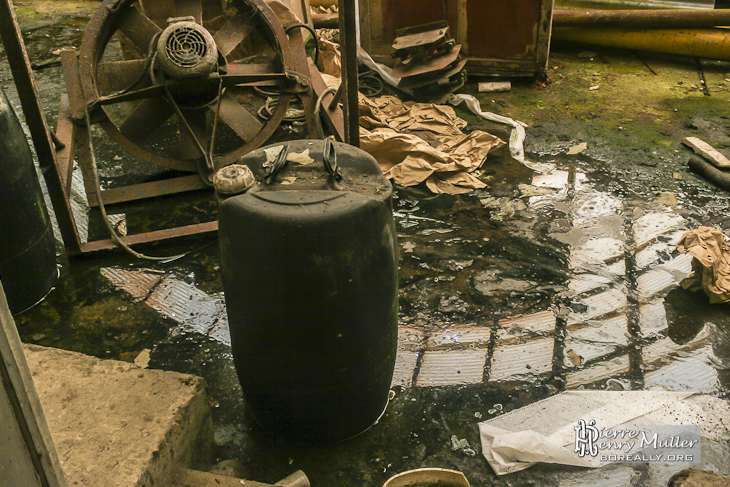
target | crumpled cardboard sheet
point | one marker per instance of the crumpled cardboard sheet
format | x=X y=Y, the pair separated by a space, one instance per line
x=434 y=149
x=409 y=116
x=545 y=431
x=711 y=263
x=409 y=160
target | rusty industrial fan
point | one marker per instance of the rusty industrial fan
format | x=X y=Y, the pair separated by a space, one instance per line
x=188 y=60
x=174 y=83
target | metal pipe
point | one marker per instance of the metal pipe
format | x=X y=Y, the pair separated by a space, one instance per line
x=689 y=4
x=703 y=43
x=641 y=18
x=709 y=172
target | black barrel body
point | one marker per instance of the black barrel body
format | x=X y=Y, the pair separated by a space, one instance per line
x=27 y=246
x=310 y=278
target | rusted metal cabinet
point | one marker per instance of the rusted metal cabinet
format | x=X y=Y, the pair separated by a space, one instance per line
x=499 y=37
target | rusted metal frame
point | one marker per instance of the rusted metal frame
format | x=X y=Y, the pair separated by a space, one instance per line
x=296 y=40
x=152 y=189
x=332 y=114
x=666 y=18
x=35 y=118
x=348 y=41
x=155 y=236
x=65 y=156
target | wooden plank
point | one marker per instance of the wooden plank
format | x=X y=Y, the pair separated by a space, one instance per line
x=708 y=152
x=40 y=463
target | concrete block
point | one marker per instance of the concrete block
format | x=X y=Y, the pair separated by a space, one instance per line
x=116 y=425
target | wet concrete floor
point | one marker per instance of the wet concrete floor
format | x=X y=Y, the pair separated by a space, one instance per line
x=508 y=295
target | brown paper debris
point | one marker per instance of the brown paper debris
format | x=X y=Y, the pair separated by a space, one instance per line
x=409 y=160
x=330 y=59
x=711 y=263
x=389 y=111
x=417 y=142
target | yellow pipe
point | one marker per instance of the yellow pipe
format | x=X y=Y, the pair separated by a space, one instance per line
x=704 y=43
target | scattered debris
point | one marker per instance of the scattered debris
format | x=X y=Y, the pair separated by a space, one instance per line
x=428 y=60
x=143 y=359
x=577 y=149
x=462 y=445
x=711 y=263
x=546 y=431
x=494 y=86
x=708 y=152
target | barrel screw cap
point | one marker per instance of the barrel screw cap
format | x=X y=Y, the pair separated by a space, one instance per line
x=233 y=179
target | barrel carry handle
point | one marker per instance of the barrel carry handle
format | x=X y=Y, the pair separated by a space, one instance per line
x=329 y=159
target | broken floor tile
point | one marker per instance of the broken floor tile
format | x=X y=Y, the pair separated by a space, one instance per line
x=453 y=367
x=595 y=251
x=509 y=362
x=654 y=283
x=653 y=224
x=194 y=309
x=607 y=302
x=138 y=283
x=601 y=371
x=459 y=336
x=618 y=268
x=692 y=373
x=592 y=205
x=583 y=283
x=665 y=350
x=578 y=352
x=410 y=338
x=405 y=366
x=512 y=329
x=612 y=330
x=652 y=318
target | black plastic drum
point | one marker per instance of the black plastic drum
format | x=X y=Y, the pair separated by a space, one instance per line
x=27 y=246
x=309 y=269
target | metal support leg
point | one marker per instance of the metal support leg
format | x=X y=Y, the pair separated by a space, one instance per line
x=348 y=39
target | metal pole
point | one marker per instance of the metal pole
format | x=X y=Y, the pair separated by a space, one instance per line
x=641 y=18
x=35 y=118
x=348 y=40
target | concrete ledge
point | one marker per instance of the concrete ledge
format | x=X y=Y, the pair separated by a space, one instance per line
x=117 y=425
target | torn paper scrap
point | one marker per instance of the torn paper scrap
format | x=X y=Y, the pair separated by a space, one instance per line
x=554 y=430
x=711 y=263
x=517 y=137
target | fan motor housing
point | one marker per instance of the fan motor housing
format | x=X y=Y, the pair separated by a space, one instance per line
x=186 y=49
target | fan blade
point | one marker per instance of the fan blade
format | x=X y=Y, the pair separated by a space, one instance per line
x=158 y=10
x=119 y=75
x=233 y=32
x=191 y=8
x=245 y=124
x=145 y=118
x=195 y=120
x=138 y=28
